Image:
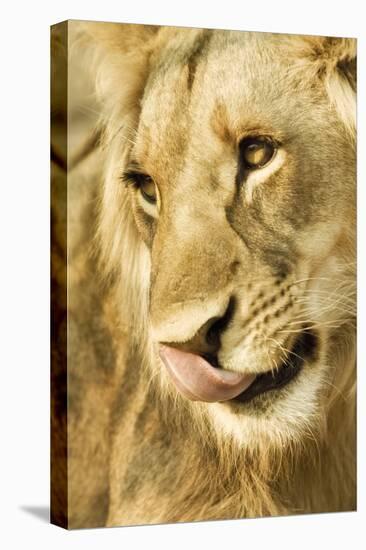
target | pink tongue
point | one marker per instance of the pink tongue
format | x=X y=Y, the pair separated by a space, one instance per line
x=198 y=380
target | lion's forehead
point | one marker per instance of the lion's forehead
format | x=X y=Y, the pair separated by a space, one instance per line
x=205 y=91
x=206 y=88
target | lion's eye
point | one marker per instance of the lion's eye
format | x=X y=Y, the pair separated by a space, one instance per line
x=148 y=189
x=142 y=182
x=256 y=152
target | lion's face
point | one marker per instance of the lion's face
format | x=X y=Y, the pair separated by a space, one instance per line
x=243 y=193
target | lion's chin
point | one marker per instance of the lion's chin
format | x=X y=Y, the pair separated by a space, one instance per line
x=278 y=412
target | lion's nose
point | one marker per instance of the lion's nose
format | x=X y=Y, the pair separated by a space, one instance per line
x=207 y=340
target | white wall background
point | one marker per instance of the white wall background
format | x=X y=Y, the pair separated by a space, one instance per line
x=24 y=271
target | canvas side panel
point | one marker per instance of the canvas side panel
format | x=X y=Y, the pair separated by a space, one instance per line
x=59 y=73
x=90 y=348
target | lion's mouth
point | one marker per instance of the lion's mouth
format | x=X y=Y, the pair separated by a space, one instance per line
x=304 y=349
x=201 y=378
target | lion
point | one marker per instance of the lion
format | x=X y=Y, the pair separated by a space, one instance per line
x=225 y=247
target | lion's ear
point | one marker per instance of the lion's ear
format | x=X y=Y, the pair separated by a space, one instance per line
x=117 y=56
x=333 y=60
x=346 y=58
x=340 y=54
x=336 y=55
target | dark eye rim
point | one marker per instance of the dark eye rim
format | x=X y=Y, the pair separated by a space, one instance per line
x=137 y=179
x=248 y=140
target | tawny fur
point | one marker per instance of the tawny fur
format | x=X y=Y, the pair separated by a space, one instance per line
x=168 y=459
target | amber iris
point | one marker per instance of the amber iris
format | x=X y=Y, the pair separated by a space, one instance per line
x=148 y=189
x=257 y=152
